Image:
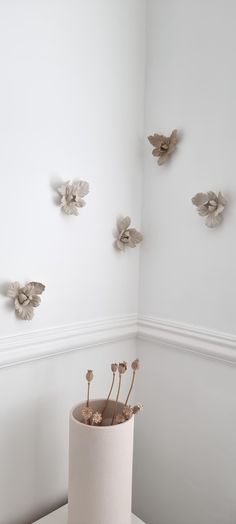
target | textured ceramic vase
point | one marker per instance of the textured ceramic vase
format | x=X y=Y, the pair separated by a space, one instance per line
x=100 y=469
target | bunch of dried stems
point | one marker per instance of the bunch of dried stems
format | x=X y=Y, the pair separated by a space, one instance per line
x=101 y=418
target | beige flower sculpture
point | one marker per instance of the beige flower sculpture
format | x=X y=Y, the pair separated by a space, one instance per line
x=211 y=206
x=127 y=236
x=72 y=196
x=25 y=298
x=164 y=146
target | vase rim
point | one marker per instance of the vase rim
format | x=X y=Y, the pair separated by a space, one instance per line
x=90 y=427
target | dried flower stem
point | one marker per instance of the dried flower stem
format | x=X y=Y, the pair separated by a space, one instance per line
x=109 y=394
x=122 y=368
x=135 y=366
x=88 y=394
x=117 y=397
x=89 y=378
x=131 y=387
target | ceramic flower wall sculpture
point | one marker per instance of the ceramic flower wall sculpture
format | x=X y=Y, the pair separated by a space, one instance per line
x=211 y=206
x=127 y=236
x=25 y=298
x=164 y=146
x=72 y=196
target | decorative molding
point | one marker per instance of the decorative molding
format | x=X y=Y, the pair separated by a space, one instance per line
x=203 y=342
x=35 y=345
x=40 y=344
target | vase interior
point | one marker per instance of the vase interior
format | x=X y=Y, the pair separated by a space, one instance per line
x=99 y=405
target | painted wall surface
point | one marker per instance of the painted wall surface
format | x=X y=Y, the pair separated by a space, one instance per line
x=188 y=269
x=71 y=107
x=185 y=443
x=185 y=455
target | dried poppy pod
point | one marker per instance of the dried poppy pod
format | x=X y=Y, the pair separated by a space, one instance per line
x=86 y=413
x=122 y=368
x=135 y=364
x=96 y=418
x=128 y=412
x=89 y=375
x=114 y=367
x=137 y=408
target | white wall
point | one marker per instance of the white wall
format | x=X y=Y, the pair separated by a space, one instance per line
x=71 y=105
x=185 y=441
x=185 y=456
x=191 y=81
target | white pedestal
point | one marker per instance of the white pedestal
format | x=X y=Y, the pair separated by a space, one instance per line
x=60 y=517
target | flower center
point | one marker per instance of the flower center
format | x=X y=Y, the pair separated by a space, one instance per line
x=212 y=205
x=22 y=298
x=125 y=237
x=164 y=147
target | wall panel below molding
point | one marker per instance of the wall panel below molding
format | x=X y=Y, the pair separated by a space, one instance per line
x=34 y=413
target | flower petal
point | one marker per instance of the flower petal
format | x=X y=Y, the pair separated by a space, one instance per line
x=156 y=151
x=27 y=290
x=83 y=188
x=200 y=199
x=123 y=224
x=174 y=137
x=62 y=189
x=135 y=237
x=221 y=199
x=156 y=140
x=13 y=289
x=120 y=245
x=24 y=312
x=219 y=210
x=213 y=220
x=37 y=288
x=80 y=202
x=212 y=196
x=203 y=211
x=35 y=301
x=70 y=209
x=162 y=159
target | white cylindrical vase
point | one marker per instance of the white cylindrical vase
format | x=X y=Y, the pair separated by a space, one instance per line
x=100 y=469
